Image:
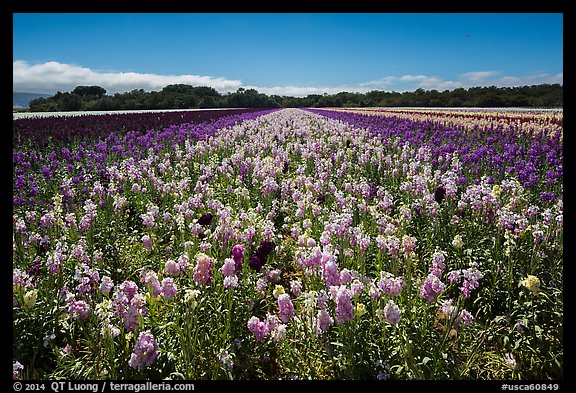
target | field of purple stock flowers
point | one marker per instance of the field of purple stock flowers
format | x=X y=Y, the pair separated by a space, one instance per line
x=289 y=244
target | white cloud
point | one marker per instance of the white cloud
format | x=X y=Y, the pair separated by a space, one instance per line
x=54 y=76
x=466 y=80
x=303 y=91
x=478 y=76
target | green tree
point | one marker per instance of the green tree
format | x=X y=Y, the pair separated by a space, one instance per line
x=89 y=92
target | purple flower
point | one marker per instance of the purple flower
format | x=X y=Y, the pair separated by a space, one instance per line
x=439 y=193
x=345 y=277
x=438 y=264
x=79 y=309
x=454 y=276
x=274 y=275
x=258 y=328
x=183 y=262
x=172 y=268
x=323 y=321
x=330 y=273
x=295 y=287
x=132 y=311
x=391 y=285
x=431 y=288
x=238 y=255
x=147 y=242
x=264 y=250
x=169 y=288
x=106 y=285
x=17 y=368
x=228 y=268
x=255 y=263
x=392 y=313
x=464 y=318
x=145 y=351
x=150 y=279
x=231 y=281
x=286 y=307
x=344 y=308
x=86 y=276
x=205 y=219
x=447 y=308
x=130 y=288
x=548 y=196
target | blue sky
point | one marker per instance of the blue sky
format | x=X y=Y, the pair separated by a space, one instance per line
x=286 y=54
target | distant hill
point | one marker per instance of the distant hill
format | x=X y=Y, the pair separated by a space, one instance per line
x=21 y=100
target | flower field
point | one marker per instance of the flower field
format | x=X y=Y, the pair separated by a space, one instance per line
x=290 y=244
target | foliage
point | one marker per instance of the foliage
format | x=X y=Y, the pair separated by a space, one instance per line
x=90 y=98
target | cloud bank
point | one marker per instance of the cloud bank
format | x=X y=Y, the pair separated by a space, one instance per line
x=53 y=76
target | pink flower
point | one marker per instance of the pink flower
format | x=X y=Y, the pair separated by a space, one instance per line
x=286 y=307
x=344 y=308
x=258 y=328
x=145 y=351
x=323 y=322
x=228 y=268
x=231 y=281
x=79 y=308
x=106 y=285
x=431 y=288
x=330 y=273
x=392 y=313
x=295 y=287
x=150 y=279
x=203 y=270
x=169 y=288
x=391 y=285
x=172 y=268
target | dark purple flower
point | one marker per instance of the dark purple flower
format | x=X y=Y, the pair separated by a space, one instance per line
x=439 y=193
x=34 y=267
x=237 y=256
x=548 y=196
x=264 y=249
x=255 y=263
x=462 y=180
x=205 y=219
x=243 y=172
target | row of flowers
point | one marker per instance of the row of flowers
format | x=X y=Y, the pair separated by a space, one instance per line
x=213 y=247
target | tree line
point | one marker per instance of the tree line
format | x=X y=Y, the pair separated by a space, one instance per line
x=181 y=96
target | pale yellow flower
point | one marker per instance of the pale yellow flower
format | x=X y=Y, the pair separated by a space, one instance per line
x=360 y=310
x=278 y=290
x=457 y=241
x=532 y=283
x=496 y=191
x=30 y=298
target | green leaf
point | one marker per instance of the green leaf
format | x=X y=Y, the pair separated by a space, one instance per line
x=538 y=330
